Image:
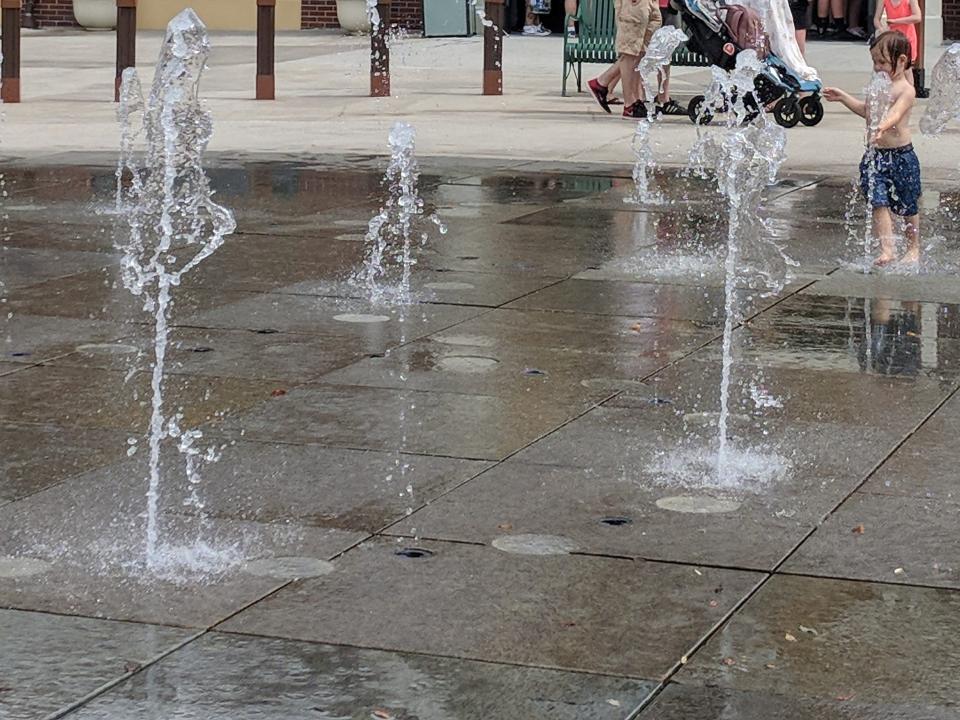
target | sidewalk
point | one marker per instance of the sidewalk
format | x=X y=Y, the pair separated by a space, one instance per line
x=323 y=107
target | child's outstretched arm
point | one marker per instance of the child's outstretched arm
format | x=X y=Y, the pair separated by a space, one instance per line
x=852 y=104
x=895 y=114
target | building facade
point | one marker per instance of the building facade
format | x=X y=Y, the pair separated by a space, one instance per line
x=228 y=14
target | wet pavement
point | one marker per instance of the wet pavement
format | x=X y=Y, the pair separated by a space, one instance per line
x=494 y=502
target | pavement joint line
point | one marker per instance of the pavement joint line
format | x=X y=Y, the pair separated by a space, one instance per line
x=420 y=653
x=870 y=581
x=59 y=613
x=695 y=648
x=776 y=571
x=106 y=687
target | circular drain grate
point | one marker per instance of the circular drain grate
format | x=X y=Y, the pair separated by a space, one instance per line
x=467 y=363
x=17 y=567
x=107 y=349
x=698 y=505
x=535 y=544
x=414 y=552
x=616 y=520
x=287 y=567
x=361 y=318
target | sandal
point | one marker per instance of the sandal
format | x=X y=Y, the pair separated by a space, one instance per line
x=671 y=107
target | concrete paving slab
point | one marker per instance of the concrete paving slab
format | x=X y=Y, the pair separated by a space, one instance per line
x=80 y=656
x=679 y=702
x=206 y=569
x=27 y=266
x=847 y=650
x=888 y=539
x=655 y=446
x=34 y=457
x=924 y=467
x=606 y=513
x=81 y=397
x=318 y=315
x=609 y=297
x=225 y=676
x=31 y=339
x=479 y=603
x=352 y=490
x=432 y=423
x=917 y=288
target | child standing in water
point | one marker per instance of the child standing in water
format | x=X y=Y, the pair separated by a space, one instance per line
x=890 y=170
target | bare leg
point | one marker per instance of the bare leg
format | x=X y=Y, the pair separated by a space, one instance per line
x=883 y=231
x=837 y=10
x=610 y=77
x=853 y=15
x=802 y=41
x=912 y=232
x=531 y=18
x=629 y=79
x=664 y=95
x=570 y=8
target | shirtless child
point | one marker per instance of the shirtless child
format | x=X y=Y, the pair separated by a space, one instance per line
x=890 y=176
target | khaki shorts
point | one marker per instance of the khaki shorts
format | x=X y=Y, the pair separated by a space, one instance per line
x=636 y=24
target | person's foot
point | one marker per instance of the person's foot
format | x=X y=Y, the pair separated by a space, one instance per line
x=884 y=260
x=637 y=111
x=599 y=93
x=535 y=30
x=857 y=32
x=911 y=257
x=670 y=107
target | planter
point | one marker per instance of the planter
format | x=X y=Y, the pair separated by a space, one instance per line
x=96 y=14
x=352 y=16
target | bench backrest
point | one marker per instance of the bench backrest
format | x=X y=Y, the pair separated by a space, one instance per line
x=597 y=27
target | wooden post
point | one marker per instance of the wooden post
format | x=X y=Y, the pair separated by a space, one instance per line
x=493 y=47
x=919 y=79
x=126 y=41
x=380 y=53
x=266 y=49
x=10 y=73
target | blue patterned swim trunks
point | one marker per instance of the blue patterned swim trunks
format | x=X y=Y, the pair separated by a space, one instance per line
x=890 y=177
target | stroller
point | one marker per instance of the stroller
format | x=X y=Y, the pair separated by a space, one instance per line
x=719 y=32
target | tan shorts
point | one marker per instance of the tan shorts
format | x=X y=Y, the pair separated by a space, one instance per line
x=636 y=23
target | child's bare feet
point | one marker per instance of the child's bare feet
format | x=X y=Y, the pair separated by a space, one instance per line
x=884 y=260
x=910 y=257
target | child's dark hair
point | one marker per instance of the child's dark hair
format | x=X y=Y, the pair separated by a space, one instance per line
x=891 y=45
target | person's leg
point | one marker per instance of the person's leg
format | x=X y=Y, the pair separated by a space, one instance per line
x=570 y=8
x=912 y=233
x=802 y=41
x=664 y=95
x=883 y=231
x=855 y=19
x=629 y=79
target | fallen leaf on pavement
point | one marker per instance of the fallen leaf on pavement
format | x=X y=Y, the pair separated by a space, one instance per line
x=810 y=630
x=858 y=530
x=278 y=392
x=789 y=638
x=384 y=714
x=729 y=661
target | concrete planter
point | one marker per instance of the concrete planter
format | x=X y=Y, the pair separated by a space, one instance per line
x=96 y=14
x=352 y=16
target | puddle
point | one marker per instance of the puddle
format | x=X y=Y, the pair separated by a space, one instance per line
x=361 y=318
x=284 y=568
x=535 y=544
x=697 y=504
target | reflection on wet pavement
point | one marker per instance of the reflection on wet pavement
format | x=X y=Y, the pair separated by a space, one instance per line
x=557 y=375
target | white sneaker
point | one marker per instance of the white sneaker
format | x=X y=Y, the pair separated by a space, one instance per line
x=535 y=30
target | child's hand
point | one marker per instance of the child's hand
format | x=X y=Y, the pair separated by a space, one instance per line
x=832 y=94
x=875 y=136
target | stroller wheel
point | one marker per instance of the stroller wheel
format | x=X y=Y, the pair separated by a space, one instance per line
x=786 y=112
x=811 y=110
x=697 y=112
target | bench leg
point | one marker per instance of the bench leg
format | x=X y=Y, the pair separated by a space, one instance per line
x=563 y=86
x=579 y=77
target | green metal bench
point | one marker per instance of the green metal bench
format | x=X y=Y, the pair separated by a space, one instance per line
x=594 y=43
